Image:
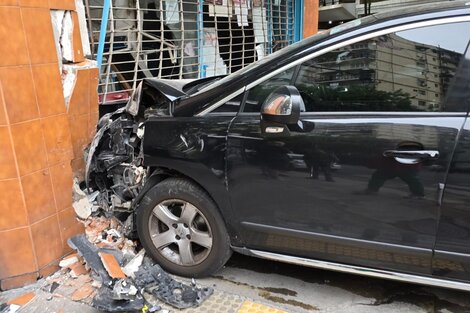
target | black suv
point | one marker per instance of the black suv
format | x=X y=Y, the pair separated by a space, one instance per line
x=348 y=151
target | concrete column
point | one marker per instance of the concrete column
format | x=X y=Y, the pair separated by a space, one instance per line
x=310 y=17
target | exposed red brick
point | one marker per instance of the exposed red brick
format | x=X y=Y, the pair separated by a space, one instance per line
x=111 y=265
x=23 y=299
x=83 y=292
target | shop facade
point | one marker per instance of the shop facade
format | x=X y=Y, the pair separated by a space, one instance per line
x=185 y=39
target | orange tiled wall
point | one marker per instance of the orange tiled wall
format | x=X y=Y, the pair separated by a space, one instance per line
x=38 y=141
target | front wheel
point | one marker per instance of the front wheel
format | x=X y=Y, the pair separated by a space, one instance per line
x=181 y=228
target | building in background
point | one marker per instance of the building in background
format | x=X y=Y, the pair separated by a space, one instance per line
x=335 y=12
x=379 y=6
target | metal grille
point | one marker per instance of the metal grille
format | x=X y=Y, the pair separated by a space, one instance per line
x=177 y=39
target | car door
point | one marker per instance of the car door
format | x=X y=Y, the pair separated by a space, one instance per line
x=361 y=183
x=451 y=257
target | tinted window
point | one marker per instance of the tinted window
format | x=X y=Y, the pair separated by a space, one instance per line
x=259 y=93
x=404 y=71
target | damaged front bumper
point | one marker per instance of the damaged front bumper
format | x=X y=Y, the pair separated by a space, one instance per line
x=114 y=160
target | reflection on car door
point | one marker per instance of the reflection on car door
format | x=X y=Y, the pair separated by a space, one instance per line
x=362 y=186
x=452 y=250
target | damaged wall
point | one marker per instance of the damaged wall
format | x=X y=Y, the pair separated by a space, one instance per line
x=42 y=136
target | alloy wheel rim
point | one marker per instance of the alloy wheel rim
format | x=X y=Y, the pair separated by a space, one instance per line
x=180 y=232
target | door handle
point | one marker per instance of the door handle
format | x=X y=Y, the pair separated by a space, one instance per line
x=411 y=156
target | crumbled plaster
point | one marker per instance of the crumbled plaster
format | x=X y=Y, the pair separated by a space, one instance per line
x=69 y=75
x=83 y=27
x=66 y=39
x=62 y=25
x=63 y=31
x=81 y=203
x=57 y=17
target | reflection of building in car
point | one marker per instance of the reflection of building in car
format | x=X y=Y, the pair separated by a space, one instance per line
x=417 y=73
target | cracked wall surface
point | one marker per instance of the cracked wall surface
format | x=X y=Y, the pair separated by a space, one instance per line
x=48 y=114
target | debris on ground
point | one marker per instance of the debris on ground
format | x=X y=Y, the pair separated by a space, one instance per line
x=90 y=253
x=14 y=305
x=112 y=273
x=105 y=301
x=111 y=265
x=160 y=284
x=83 y=292
x=108 y=269
x=23 y=299
x=9 y=308
x=134 y=264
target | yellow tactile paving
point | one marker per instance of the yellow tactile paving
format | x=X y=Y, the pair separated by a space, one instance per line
x=253 y=307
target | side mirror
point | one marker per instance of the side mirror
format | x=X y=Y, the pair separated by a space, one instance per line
x=283 y=106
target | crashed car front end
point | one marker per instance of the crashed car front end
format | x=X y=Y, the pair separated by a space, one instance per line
x=115 y=173
x=114 y=161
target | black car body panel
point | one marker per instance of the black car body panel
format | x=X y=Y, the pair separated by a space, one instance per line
x=259 y=176
x=195 y=148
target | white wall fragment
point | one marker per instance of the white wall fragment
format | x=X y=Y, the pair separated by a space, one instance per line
x=66 y=39
x=57 y=17
x=81 y=204
x=69 y=76
x=134 y=264
x=62 y=25
x=83 y=27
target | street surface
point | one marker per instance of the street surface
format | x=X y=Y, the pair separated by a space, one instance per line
x=301 y=289
x=290 y=288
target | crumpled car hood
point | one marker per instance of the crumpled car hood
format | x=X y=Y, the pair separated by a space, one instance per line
x=174 y=89
x=170 y=88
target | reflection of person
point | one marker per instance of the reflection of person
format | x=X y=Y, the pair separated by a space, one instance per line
x=318 y=160
x=274 y=159
x=390 y=169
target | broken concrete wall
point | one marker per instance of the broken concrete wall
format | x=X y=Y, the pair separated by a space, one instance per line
x=42 y=136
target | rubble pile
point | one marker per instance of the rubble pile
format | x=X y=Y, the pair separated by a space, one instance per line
x=109 y=272
x=14 y=305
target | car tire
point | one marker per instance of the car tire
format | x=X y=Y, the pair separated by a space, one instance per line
x=181 y=228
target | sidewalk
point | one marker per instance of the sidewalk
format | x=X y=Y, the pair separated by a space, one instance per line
x=60 y=301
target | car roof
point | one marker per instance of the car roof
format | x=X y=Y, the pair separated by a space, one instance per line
x=199 y=101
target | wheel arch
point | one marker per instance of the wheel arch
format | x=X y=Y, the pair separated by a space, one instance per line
x=158 y=174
